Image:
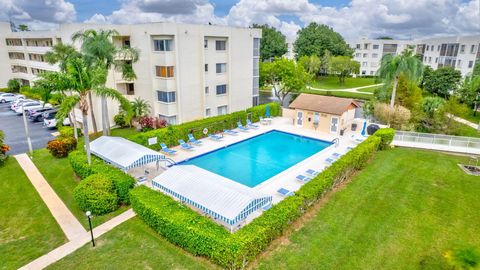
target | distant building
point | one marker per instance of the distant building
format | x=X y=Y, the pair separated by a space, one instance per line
x=459 y=52
x=185 y=71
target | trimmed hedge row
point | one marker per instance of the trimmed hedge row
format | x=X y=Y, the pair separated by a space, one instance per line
x=97 y=194
x=122 y=181
x=172 y=134
x=201 y=236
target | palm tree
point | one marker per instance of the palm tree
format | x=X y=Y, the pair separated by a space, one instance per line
x=23 y=28
x=59 y=54
x=140 y=108
x=98 y=48
x=406 y=64
x=82 y=79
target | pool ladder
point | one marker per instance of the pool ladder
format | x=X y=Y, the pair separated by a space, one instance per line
x=336 y=141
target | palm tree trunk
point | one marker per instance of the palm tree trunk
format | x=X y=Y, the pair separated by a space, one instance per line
x=71 y=118
x=105 y=120
x=94 y=121
x=394 y=92
x=85 y=136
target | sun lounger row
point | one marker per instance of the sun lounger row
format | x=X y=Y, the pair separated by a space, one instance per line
x=302 y=178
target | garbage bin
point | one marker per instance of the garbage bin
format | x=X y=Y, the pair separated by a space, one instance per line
x=354 y=126
x=342 y=131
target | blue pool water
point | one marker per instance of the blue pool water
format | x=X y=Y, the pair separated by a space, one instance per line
x=257 y=159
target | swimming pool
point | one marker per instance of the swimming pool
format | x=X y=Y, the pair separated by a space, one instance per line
x=253 y=161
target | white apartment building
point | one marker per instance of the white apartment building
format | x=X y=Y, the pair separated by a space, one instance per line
x=459 y=52
x=185 y=71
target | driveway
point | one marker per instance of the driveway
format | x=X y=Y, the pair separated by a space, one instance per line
x=12 y=126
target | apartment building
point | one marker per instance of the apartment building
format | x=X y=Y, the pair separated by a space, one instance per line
x=459 y=52
x=185 y=71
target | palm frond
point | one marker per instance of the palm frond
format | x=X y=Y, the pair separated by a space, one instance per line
x=115 y=95
x=67 y=105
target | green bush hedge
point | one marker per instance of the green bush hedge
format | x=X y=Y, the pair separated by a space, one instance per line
x=96 y=193
x=122 y=181
x=201 y=236
x=386 y=134
x=172 y=134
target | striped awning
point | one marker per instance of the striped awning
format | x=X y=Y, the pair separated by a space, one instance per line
x=123 y=153
x=219 y=197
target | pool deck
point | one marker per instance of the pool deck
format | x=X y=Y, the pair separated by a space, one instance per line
x=285 y=179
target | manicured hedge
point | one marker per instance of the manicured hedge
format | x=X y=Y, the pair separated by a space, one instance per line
x=122 y=181
x=97 y=194
x=387 y=135
x=201 y=236
x=172 y=134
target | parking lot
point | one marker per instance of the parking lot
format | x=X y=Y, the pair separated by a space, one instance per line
x=12 y=125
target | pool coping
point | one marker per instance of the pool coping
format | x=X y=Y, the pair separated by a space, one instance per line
x=271 y=179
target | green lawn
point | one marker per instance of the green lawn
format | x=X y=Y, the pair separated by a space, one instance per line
x=403 y=211
x=470 y=117
x=60 y=176
x=465 y=130
x=339 y=94
x=132 y=245
x=27 y=228
x=332 y=82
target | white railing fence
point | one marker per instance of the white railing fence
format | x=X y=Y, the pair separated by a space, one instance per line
x=437 y=141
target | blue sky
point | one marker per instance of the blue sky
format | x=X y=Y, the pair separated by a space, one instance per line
x=351 y=18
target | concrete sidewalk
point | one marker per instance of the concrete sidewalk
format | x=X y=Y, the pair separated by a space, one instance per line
x=67 y=221
x=351 y=90
x=82 y=239
x=463 y=121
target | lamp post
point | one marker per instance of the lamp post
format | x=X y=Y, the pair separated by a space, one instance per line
x=27 y=133
x=89 y=216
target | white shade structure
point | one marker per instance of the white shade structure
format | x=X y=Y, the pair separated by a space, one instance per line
x=123 y=153
x=223 y=199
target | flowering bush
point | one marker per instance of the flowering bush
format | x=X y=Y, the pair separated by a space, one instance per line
x=3 y=149
x=61 y=146
x=146 y=123
x=161 y=123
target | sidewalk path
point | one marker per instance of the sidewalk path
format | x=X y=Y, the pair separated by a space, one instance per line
x=67 y=221
x=463 y=121
x=352 y=90
x=68 y=248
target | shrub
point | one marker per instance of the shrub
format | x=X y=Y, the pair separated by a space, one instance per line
x=146 y=123
x=201 y=236
x=171 y=134
x=67 y=131
x=3 y=149
x=122 y=181
x=96 y=193
x=13 y=85
x=397 y=117
x=386 y=135
x=61 y=146
x=120 y=120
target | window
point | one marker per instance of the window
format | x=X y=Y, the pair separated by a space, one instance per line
x=462 y=48
x=376 y=46
x=14 y=42
x=365 y=55
x=436 y=59
x=371 y=72
x=255 y=101
x=459 y=63
x=358 y=54
x=164 y=71
x=222 y=110
x=162 y=45
x=364 y=72
x=207 y=112
x=428 y=47
x=221 y=89
x=167 y=97
x=365 y=46
x=206 y=90
x=205 y=43
x=220 y=45
x=221 y=68
x=374 y=55
x=206 y=67
x=256 y=66
x=256 y=47
x=171 y=120
x=472 y=49
x=429 y=59
x=364 y=64
x=470 y=64
x=358 y=46
x=438 y=48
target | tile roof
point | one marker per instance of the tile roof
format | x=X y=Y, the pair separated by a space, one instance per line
x=324 y=104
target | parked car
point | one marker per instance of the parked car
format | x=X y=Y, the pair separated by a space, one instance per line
x=31 y=105
x=19 y=102
x=7 y=97
x=36 y=115
x=50 y=121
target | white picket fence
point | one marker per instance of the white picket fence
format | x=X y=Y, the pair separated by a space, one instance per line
x=440 y=142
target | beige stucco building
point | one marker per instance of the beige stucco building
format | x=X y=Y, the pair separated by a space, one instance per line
x=185 y=71
x=323 y=113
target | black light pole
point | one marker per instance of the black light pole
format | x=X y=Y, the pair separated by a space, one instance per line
x=89 y=216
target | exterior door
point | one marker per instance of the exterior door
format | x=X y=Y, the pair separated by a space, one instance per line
x=299 y=118
x=334 y=125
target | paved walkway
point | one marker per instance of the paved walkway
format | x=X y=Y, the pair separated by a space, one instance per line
x=463 y=121
x=351 y=90
x=67 y=221
x=78 y=242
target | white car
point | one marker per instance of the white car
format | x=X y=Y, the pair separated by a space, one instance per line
x=18 y=102
x=31 y=105
x=51 y=121
x=7 y=97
